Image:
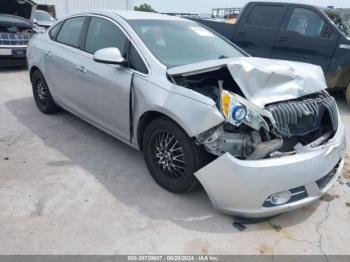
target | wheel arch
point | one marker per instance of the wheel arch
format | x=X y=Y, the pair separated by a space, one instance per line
x=146 y=119
x=192 y=120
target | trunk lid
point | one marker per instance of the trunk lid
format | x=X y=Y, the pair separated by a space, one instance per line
x=263 y=81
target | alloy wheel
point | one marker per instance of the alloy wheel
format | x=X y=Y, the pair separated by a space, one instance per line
x=42 y=92
x=168 y=155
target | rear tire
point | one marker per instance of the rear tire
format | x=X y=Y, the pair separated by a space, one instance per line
x=171 y=156
x=42 y=95
x=347 y=94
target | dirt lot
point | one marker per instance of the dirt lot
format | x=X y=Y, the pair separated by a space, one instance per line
x=68 y=188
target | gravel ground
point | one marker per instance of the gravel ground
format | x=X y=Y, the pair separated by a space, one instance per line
x=68 y=188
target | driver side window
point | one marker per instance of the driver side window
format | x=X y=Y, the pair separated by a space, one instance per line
x=102 y=34
x=306 y=22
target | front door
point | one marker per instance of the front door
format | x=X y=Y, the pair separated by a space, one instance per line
x=104 y=89
x=307 y=36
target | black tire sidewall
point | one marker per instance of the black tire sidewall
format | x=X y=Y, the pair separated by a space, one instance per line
x=347 y=94
x=188 y=182
x=50 y=107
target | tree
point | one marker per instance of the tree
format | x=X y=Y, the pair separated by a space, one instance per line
x=145 y=8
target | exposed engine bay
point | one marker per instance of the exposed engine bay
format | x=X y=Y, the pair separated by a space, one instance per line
x=252 y=132
x=15 y=31
x=15 y=35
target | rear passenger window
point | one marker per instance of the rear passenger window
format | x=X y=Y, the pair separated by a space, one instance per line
x=71 y=31
x=306 y=22
x=102 y=34
x=54 y=31
x=265 y=16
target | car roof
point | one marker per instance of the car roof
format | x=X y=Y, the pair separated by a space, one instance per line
x=132 y=15
x=295 y=4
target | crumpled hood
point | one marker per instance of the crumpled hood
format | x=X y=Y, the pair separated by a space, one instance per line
x=264 y=81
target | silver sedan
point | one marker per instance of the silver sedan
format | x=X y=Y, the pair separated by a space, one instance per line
x=261 y=136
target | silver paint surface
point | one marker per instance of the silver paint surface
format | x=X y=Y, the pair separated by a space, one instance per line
x=99 y=94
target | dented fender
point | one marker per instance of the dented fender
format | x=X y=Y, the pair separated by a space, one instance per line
x=194 y=112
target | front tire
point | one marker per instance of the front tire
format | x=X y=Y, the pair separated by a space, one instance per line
x=171 y=156
x=42 y=95
x=347 y=94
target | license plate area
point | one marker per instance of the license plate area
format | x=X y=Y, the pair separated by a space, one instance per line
x=5 y=52
x=19 y=53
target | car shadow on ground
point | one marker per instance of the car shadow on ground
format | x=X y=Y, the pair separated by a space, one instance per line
x=122 y=171
x=5 y=70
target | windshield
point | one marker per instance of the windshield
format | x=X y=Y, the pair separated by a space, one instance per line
x=43 y=16
x=177 y=43
x=338 y=20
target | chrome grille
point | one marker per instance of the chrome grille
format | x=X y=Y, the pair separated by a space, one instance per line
x=299 y=118
x=14 y=39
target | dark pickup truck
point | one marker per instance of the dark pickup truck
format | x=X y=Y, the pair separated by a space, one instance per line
x=294 y=32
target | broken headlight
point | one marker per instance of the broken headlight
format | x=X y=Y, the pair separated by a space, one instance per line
x=233 y=111
x=238 y=110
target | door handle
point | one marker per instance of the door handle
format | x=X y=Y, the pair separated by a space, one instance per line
x=48 y=54
x=241 y=34
x=81 y=69
x=283 y=39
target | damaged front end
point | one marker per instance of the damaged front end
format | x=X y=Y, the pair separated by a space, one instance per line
x=279 y=138
x=277 y=130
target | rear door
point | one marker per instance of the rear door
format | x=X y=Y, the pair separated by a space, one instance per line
x=61 y=57
x=306 y=36
x=258 y=28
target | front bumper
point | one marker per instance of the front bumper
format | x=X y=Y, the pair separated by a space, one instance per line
x=13 y=56
x=242 y=188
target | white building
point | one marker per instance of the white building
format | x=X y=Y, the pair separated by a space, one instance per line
x=64 y=7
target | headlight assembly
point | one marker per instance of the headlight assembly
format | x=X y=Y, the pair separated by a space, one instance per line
x=238 y=110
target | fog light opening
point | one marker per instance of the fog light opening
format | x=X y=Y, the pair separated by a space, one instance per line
x=281 y=198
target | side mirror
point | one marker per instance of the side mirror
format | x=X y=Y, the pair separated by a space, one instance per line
x=110 y=55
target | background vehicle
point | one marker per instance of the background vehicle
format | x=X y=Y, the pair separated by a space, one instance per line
x=16 y=30
x=183 y=15
x=22 y=8
x=43 y=19
x=228 y=15
x=294 y=32
x=15 y=33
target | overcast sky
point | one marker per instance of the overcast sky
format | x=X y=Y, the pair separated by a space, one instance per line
x=205 y=6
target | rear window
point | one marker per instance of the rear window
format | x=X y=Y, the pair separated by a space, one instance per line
x=265 y=16
x=71 y=31
x=43 y=16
